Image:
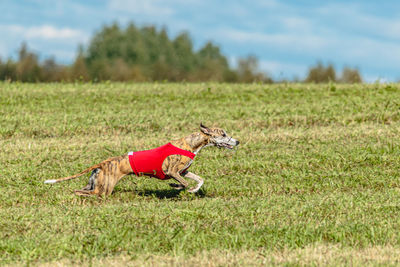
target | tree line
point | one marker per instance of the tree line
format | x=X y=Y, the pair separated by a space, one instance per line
x=149 y=54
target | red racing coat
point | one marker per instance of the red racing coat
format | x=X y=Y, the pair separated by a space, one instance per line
x=149 y=162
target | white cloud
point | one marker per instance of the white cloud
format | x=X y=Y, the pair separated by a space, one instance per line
x=47 y=32
x=50 y=32
x=46 y=40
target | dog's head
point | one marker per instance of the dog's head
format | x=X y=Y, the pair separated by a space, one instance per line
x=218 y=137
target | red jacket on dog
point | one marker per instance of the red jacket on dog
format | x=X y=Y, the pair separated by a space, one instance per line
x=150 y=162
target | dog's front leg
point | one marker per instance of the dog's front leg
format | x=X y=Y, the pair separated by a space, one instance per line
x=182 y=182
x=197 y=178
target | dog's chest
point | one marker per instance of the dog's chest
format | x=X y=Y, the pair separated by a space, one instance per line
x=187 y=166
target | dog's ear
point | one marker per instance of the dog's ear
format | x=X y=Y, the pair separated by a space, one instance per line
x=205 y=129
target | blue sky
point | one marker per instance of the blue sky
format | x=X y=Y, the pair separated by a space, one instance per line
x=286 y=36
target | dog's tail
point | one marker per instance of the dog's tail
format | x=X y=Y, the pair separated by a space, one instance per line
x=73 y=176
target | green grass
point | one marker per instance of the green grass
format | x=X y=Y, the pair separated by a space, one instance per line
x=314 y=181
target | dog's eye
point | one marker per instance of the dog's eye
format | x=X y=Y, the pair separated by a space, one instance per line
x=223 y=135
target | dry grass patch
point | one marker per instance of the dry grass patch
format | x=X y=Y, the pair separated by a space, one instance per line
x=314 y=255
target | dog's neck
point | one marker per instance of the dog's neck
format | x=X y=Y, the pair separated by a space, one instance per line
x=197 y=141
x=193 y=143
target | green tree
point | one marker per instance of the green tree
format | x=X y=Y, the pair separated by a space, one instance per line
x=165 y=66
x=104 y=48
x=8 y=70
x=150 y=54
x=53 y=72
x=134 y=49
x=185 y=58
x=27 y=68
x=212 y=65
x=79 y=69
x=248 y=71
x=350 y=75
x=321 y=73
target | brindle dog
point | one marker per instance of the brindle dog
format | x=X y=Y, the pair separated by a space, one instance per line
x=106 y=174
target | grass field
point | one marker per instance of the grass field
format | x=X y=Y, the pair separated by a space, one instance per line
x=314 y=181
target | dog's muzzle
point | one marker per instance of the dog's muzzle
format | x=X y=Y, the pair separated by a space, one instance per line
x=229 y=146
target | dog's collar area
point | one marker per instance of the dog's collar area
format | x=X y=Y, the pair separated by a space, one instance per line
x=200 y=148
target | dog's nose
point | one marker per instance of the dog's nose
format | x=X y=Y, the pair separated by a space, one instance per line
x=237 y=142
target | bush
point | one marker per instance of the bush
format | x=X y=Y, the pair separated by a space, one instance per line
x=321 y=74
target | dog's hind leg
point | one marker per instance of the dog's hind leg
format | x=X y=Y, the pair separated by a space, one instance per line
x=106 y=176
x=91 y=183
x=101 y=182
x=89 y=188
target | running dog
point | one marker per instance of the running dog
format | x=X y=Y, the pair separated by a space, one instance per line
x=168 y=161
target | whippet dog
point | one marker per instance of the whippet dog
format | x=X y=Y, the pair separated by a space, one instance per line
x=168 y=161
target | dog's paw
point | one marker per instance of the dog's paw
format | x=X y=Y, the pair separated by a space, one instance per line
x=194 y=189
x=177 y=186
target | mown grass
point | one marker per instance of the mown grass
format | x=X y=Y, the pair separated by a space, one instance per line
x=316 y=174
